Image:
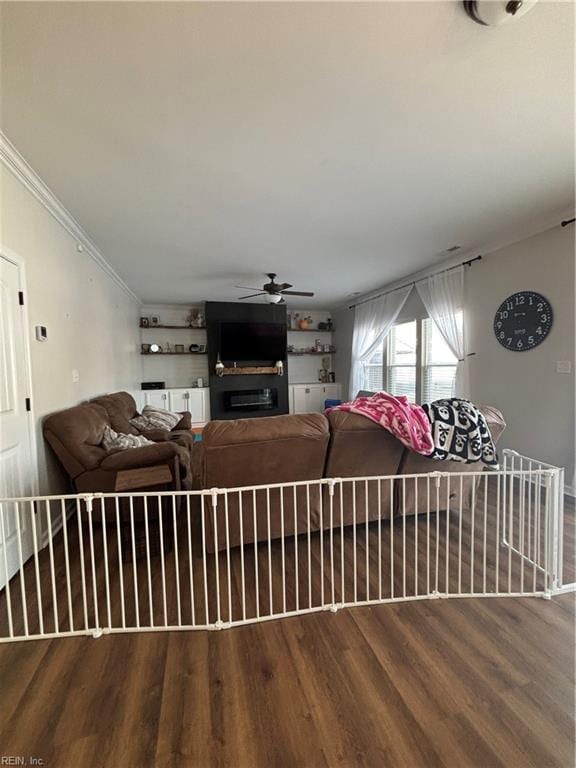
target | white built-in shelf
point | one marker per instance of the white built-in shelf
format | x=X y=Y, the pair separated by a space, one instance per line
x=173 y=327
x=163 y=354
x=310 y=330
x=311 y=352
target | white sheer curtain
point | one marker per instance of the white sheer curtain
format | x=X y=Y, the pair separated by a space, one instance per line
x=443 y=297
x=372 y=321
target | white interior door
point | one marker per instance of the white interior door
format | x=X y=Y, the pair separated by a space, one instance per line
x=16 y=463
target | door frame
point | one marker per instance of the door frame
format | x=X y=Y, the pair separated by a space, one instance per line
x=18 y=261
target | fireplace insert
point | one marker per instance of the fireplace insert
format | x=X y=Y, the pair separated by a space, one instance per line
x=251 y=399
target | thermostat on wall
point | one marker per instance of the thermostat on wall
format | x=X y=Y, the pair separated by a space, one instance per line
x=41 y=333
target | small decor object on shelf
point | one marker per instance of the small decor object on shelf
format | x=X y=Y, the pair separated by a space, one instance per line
x=318 y=346
x=332 y=377
x=219 y=367
x=523 y=321
x=200 y=382
x=202 y=348
x=305 y=323
x=194 y=348
x=144 y=322
x=179 y=348
x=329 y=325
x=279 y=367
x=154 y=320
x=145 y=348
x=155 y=348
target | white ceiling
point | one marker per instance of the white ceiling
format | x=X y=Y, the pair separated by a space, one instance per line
x=341 y=145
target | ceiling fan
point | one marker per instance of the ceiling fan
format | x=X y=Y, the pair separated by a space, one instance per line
x=273 y=291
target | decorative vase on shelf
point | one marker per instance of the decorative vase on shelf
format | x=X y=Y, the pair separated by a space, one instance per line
x=219 y=367
x=303 y=324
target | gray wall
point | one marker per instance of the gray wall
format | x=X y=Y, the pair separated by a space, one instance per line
x=538 y=403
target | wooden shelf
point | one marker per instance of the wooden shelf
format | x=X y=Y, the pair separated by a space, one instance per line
x=310 y=330
x=297 y=354
x=162 y=354
x=250 y=371
x=172 y=327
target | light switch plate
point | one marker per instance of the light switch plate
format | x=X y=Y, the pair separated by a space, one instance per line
x=563 y=366
x=75 y=376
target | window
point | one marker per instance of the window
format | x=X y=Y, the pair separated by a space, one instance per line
x=401 y=359
x=438 y=365
x=414 y=361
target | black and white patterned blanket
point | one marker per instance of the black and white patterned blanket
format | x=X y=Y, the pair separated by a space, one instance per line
x=460 y=432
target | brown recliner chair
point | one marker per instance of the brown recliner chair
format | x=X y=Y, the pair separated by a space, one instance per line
x=76 y=435
x=121 y=408
x=277 y=449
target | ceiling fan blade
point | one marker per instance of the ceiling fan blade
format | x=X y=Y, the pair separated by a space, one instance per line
x=251 y=296
x=248 y=287
x=283 y=286
x=297 y=293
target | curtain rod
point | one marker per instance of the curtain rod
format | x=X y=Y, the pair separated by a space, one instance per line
x=466 y=263
x=568 y=221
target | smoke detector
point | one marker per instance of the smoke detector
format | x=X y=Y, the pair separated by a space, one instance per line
x=493 y=13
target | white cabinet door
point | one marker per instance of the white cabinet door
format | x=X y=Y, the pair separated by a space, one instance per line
x=138 y=396
x=156 y=397
x=299 y=399
x=309 y=398
x=179 y=400
x=196 y=405
x=332 y=391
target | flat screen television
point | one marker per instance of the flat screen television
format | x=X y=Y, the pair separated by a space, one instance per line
x=258 y=342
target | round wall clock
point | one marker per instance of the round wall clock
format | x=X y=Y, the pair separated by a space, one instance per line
x=523 y=321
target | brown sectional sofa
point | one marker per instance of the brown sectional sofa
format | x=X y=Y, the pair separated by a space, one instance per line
x=255 y=452
x=289 y=449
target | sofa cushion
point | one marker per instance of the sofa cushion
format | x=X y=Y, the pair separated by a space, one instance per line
x=155 y=418
x=116 y=441
x=360 y=447
x=274 y=449
x=120 y=407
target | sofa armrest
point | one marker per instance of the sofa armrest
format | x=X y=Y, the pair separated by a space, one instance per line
x=185 y=422
x=146 y=456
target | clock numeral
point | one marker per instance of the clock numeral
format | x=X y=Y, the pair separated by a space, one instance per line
x=539 y=307
x=509 y=305
x=519 y=300
x=530 y=340
x=509 y=341
x=539 y=331
x=530 y=301
x=543 y=318
x=502 y=334
x=519 y=344
x=499 y=324
x=503 y=315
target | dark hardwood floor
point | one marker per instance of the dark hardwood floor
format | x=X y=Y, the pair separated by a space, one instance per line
x=460 y=683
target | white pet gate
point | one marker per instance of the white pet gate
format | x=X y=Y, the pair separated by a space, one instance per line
x=182 y=561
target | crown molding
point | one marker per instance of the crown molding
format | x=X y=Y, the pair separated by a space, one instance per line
x=14 y=161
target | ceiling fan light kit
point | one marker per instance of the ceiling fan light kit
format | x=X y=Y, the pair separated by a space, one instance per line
x=494 y=13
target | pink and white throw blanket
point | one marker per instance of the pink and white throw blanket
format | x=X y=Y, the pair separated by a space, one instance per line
x=406 y=421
